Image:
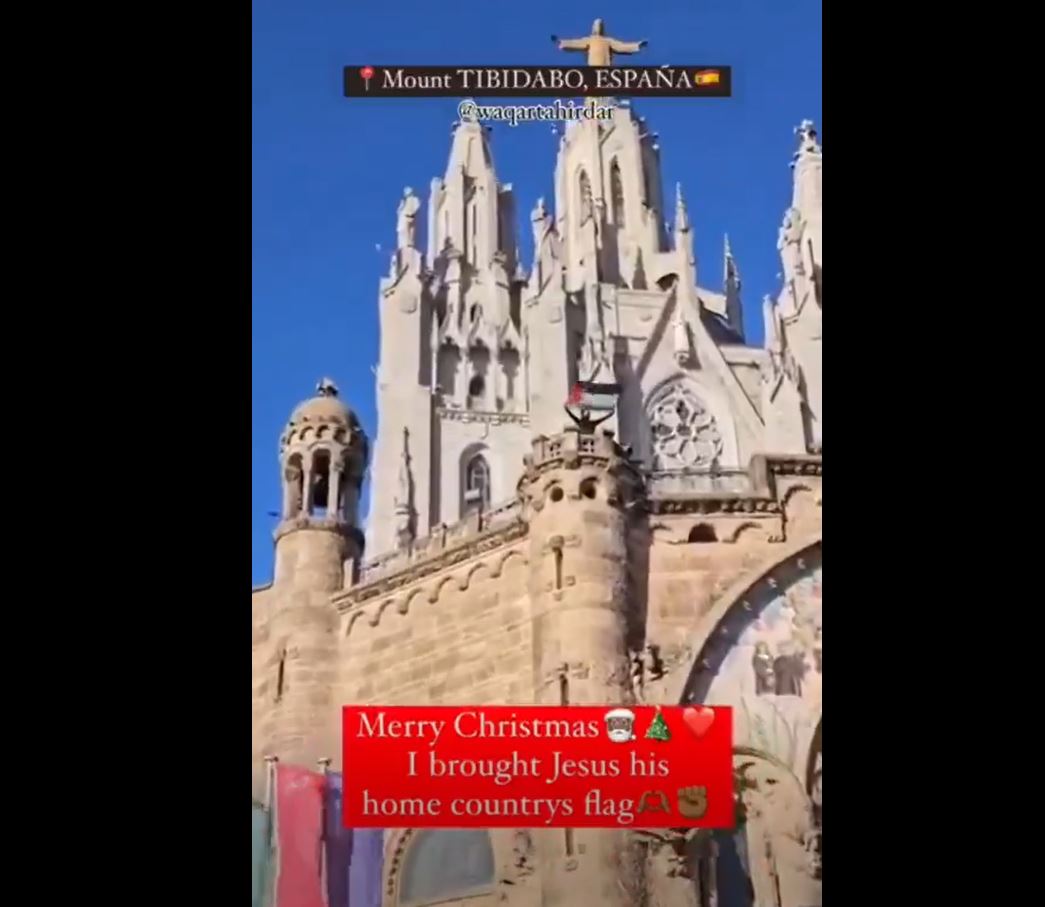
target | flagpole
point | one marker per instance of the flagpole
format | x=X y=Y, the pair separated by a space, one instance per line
x=324 y=767
x=270 y=775
x=269 y=877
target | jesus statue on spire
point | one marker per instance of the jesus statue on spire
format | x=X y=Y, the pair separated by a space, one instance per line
x=600 y=48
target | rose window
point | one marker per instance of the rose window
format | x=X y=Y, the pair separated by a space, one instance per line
x=684 y=431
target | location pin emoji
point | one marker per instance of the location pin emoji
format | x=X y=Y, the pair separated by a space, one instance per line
x=367 y=72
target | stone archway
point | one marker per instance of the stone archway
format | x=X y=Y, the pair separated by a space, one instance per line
x=764 y=659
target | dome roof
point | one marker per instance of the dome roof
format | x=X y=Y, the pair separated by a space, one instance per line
x=324 y=407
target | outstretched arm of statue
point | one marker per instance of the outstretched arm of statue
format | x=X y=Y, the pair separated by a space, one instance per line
x=571 y=43
x=626 y=47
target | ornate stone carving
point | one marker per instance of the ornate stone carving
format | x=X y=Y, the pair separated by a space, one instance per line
x=483 y=418
x=406 y=220
x=797 y=466
x=685 y=433
x=681 y=335
x=709 y=505
x=789 y=244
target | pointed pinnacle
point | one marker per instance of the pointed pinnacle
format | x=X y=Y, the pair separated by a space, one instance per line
x=681 y=215
x=731 y=273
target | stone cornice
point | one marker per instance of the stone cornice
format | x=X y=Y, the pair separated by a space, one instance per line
x=327 y=524
x=761 y=496
x=480 y=544
x=713 y=504
x=467 y=415
x=798 y=465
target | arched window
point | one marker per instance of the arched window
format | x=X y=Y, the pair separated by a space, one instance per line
x=446 y=865
x=585 y=196
x=476 y=485
x=702 y=533
x=320 y=483
x=293 y=496
x=617 y=194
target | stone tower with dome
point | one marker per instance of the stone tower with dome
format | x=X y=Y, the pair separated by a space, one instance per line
x=510 y=559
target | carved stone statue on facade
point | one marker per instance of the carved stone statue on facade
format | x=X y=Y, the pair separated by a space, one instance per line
x=406 y=223
x=762 y=664
x=789 y=245
x=600 y=49
x=681 y=335
x=404 y=510
x=788 y=670
x=807 y=138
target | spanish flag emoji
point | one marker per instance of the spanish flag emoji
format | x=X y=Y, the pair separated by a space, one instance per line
x=707 y=77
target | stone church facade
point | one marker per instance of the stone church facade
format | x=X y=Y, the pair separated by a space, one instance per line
x=671 y=556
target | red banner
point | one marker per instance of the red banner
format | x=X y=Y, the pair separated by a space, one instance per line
x=299 y=824
x=538 y=766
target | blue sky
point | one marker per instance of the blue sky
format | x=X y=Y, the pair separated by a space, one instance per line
x=328 y=172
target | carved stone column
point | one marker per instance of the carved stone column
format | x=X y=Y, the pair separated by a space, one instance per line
x=334 y=490
x=306 y=489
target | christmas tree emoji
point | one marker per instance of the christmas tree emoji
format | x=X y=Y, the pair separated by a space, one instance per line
x=658 y=729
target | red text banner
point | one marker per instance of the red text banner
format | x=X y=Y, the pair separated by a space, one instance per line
x=538 y=766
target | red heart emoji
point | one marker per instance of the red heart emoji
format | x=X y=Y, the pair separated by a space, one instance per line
x=698 y=720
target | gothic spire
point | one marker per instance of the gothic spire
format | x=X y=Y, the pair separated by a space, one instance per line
x=681 y=214
x=731 y=288
x=731 y=272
